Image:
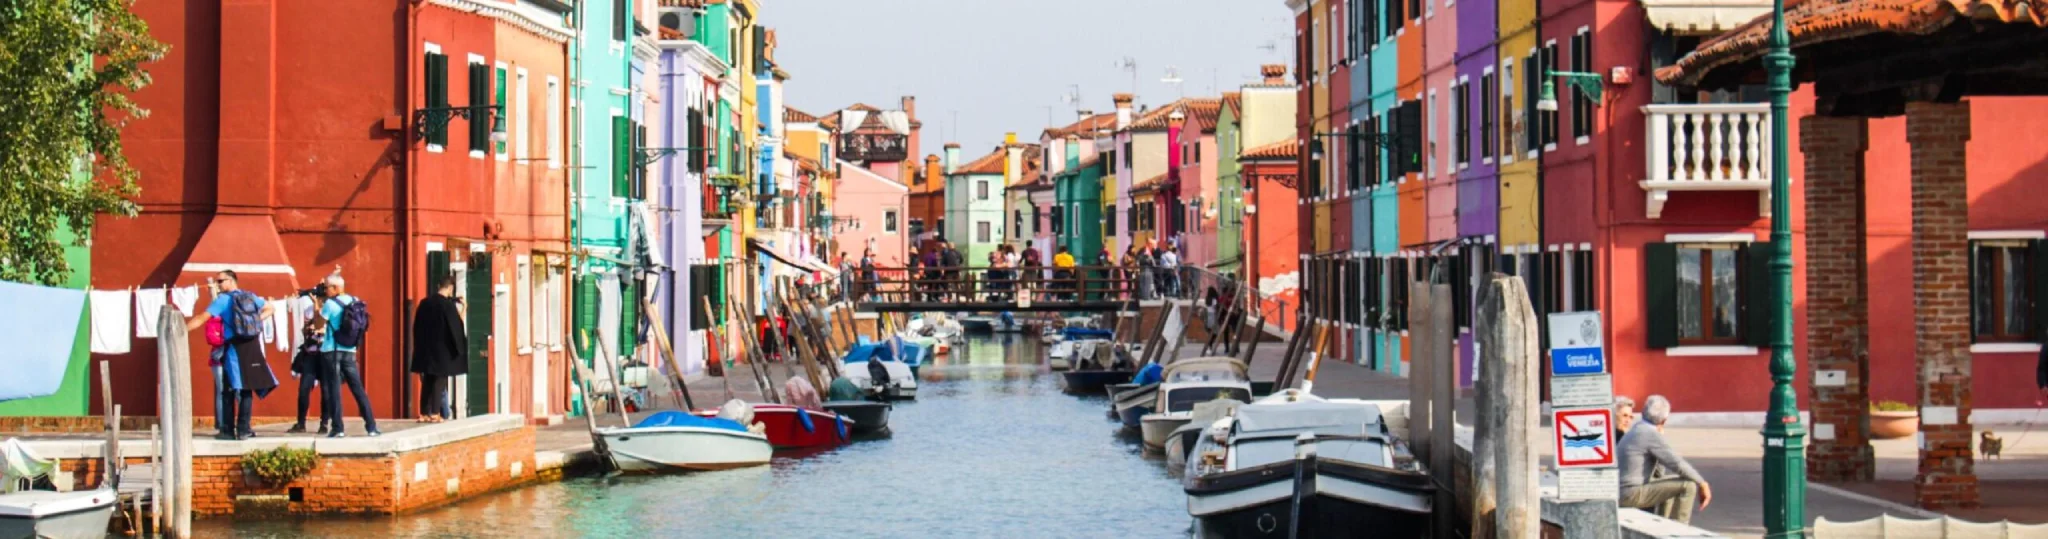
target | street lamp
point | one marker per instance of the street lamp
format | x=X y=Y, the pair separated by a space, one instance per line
x=1590 y=84
x=438 y=117
x=1784 y=436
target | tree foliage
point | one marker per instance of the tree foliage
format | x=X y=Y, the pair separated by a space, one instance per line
x=66 y=70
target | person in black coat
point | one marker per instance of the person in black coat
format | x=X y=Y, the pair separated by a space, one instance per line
x=440 y=349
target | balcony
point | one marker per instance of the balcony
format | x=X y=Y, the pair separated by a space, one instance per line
x=1709 y=147
x=866 y=147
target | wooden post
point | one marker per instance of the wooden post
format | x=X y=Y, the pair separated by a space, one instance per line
x=172 y=351
x=669 y=355
x=1504 y=498
x=1443 y=392
x=112 y=455
x=1419 y=353
x=724 y=378
x=1315 y=356
x=612 y=372
x=759 y=354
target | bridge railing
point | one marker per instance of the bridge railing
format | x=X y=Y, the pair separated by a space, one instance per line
x=1000 y=288
x=1200 y=280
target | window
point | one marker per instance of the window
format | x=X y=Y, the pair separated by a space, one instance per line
x=1337 y=50
x=1352 y=157
x=622 y=154
x=1489 y=94
x=523 y=278
x=1582 y=105
x=1549 y=117
x=916 y=227
x=1109 y=222
x=981 y=231
x=1127 y=154
x=1059 y=223
x=889 y=222
x=981 y=190
x=1017 y=221
x=436 y=67
x=554 y=112
x=479 y=94
x=2003 y=277
x=500 y=147
x=1430 y=120
x=1461 y=122
x=619 y=13
x=1414 y=9
x=520 y=131
x=1511 y=118
x=1697 y=293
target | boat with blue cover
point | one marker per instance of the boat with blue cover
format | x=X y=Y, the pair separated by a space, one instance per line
x=884 y=370
x=672 y=440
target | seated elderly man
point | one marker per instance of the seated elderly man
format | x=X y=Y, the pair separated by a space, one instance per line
x=1644 y=449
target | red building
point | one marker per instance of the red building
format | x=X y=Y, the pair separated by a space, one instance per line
x=1272 y=225
x=285 y=141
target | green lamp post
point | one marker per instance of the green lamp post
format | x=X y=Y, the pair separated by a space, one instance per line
x=1784 y=436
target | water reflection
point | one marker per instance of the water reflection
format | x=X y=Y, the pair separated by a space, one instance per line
x=990 y=449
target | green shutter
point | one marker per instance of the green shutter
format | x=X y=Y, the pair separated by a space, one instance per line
x=1760 y=306
x=585 y=316
x=479 y=318
x=479 y=93
x=437 y=96
x=622 y=156
x=502 y=113
x=1660 y=262
x=437 y=269
x=629 y=316
x=2038 y=249
x=1532 y=77
x=1534 y=278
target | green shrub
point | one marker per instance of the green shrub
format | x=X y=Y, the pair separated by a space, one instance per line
x=1890 y=406
x=281 y=465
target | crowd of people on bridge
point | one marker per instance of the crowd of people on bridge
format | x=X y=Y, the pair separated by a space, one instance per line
x=940 y=273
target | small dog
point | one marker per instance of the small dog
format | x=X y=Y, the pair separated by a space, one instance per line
x=1990 y=445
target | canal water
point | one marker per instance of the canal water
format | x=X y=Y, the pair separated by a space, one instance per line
x=991 y=448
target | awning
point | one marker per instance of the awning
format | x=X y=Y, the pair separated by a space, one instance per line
x=782 y=257
x=823 y=267
x=1702 y=17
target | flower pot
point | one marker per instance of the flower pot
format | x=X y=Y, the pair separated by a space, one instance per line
x=1888 y=425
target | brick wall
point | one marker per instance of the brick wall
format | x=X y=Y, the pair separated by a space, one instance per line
x=1939 y=134
x=1837 y=314
x=387 y=483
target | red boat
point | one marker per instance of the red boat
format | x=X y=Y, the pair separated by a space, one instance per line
x=786 y=426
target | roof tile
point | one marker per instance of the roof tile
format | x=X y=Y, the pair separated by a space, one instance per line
x=1811 y=22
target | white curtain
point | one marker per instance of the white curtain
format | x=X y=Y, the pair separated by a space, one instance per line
x=897 y=121
x=850 y=120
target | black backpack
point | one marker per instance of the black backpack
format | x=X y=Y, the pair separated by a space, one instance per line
x=355 y=322
x=247 y=322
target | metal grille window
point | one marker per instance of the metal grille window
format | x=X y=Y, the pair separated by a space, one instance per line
x=1461 y=118
x=2004 y=278
x=1489 y=90
x=1582 y=105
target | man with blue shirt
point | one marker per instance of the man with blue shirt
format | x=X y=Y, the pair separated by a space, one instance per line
x=242 y=372
x=338 y=363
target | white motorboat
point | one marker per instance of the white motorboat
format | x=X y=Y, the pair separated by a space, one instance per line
x=1187 y=382
x=82 y=514
x=1299 y=466
x=1206 y=415
x=898 y=383
x=672 y=441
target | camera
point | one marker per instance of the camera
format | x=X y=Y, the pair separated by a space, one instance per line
x=318 y=290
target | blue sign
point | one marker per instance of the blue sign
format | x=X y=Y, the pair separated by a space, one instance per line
x=1576 y=361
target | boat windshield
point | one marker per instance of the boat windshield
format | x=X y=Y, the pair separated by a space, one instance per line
x=1184 y=399
x=1269 y=450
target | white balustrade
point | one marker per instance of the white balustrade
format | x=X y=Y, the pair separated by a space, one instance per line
x=1707 y=147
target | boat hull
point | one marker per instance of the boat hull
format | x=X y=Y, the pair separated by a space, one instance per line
x=1092 y=382
x=662 y=449
x=88 y=521
x=864 y=416
x=785 y=429
x=1156 y=427
x=1336 y=499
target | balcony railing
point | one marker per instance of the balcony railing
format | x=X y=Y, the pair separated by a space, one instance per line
x=873 y=147
x=1711 y=147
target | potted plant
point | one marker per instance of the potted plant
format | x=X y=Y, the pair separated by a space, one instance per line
x=278 y=467
x=1893 y=419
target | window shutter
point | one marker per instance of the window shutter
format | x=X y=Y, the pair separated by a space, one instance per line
x=1539 y=294
x=1460 y=277
x=1400 y=305
x=437 y=269
x=622 y=155
x=629 y=316
x=700 y=285
x=1371 y=292
x=1660 y=261
x=760 y=49
x=639 y=168
x=1759 y=304
x=2037 y=252
x=585 y=320
x=481 y=311
x=437 y=96
x=479 y=94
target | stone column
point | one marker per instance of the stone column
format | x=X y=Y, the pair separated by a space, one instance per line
x=1837 y=313
x=1939 y=134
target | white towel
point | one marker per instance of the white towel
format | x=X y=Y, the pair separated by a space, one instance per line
x=281 y=317
x=185 y=298
x=110 y=317
x=149 y=306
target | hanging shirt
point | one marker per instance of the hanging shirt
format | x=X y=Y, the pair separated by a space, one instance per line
x=110 y=320
x=149 y=307
x=185 y=298
x=281 y=328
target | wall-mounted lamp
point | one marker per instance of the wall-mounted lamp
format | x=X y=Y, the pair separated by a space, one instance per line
x=437 y=117
x=1590 y=84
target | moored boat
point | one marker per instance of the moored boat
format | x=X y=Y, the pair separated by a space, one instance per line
x=1294 y=465
x=56 y=515
x=1187 y=382
x=1083 y=382
x=671 y=441
x=863 y=416
x=790 y=427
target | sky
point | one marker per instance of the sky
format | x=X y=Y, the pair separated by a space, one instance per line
x=996 y=66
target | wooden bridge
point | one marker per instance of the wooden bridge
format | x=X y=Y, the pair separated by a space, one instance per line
x=990 y=289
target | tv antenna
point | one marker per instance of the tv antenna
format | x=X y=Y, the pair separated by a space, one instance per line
x=1173 y=77
x=1073 y=97
x=1130 y=65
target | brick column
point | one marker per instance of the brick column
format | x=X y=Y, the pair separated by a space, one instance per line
x=1939 y=133
x=1837 y=315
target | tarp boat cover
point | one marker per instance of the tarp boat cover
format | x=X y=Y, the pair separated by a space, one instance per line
x=672 y=418
x=1072 y=333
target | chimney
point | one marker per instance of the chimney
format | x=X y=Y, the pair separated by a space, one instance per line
x=1123 y=109
x=1073 y=152
x=1013 y=159
x=931 y=168
x=952 y=156
x=910 y=106
x=1274 y=74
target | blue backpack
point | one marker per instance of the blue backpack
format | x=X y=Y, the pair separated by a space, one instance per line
x=355 y=322
x=248 y=316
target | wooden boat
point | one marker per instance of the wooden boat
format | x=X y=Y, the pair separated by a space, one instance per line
x=1093 y=381
x=1131 y=404
x=671 y=441
x=1191 y=381
x=1293 y=465
x=790 y=427
x=863 y=416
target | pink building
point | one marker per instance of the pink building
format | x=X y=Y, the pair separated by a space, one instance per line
x=879 y=209
x=1198 y=182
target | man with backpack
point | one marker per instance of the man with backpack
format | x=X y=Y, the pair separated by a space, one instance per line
x=240 y=371
x=348 y=320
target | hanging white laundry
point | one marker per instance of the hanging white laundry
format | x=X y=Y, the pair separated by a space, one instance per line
x=282 y=318
x=149 y=306
x=110 y=318
x=185 y=298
